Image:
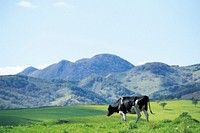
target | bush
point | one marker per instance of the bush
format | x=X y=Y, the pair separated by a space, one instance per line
x=133 y=125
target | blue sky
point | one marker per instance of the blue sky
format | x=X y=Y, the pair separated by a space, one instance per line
x=42 y=32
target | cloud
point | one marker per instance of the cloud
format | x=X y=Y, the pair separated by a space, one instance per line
x=26 y=4
x=142 y=62
x=62 y=4
x=17 y=69
x=11 y=70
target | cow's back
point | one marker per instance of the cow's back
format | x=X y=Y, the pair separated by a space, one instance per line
x=128 y=102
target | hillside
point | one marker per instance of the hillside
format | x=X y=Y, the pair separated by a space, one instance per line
x=26 y=92
x=101 y=79
x=184 y=84
x=22 y=91
x=28 y=70
x=109 y=89
x=157 y=80
x=102 y=64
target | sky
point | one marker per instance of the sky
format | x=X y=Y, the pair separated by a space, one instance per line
x=42 y=32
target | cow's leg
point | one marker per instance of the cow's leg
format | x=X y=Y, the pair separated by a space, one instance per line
x=137 y=110
x=123 y=115
x=147 y=115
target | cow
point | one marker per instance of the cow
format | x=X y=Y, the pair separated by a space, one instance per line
x=131 y=104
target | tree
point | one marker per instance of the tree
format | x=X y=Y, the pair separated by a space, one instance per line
x=163 y=104
x=194 y=101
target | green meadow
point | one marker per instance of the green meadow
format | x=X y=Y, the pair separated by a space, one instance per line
x=178 y=116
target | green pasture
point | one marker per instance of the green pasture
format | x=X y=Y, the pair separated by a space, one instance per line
x=70 y=113
x=92 y=118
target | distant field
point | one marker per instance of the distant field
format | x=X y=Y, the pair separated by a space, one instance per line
x=26 y=116
x=92 y=118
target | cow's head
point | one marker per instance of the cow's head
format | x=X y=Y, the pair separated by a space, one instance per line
x=110 y=110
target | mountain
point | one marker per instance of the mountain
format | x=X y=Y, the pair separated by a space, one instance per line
x=21 y=91
x=28 y=70
x=70 y=94
x=159 y=80
x=156 y=68
x=102 y=64
x=98 y=80
x=155 y=79
x=107 y=88
x=144 y=79
x=60 y=70
x=184 y=84
x=18 y=91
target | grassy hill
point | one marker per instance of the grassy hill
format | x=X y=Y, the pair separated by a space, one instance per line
x=108 y=88
x=22 y=91
x=101 y=79
x=157 y=80
x=17 y=91
x=92 y=118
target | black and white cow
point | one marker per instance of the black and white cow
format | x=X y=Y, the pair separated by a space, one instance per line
x=132 y=104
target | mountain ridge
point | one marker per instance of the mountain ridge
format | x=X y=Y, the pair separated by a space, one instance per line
x=101 y=64
x=101 y=79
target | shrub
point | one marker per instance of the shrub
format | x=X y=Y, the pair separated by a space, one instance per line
x=133 y=125
x=163 y=104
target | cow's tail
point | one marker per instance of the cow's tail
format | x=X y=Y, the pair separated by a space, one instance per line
x=150 y=108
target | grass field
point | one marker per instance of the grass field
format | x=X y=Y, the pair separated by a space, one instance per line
x=92 y=118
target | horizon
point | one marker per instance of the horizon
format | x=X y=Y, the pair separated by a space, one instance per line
x=15 y=70
x=40 y=33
